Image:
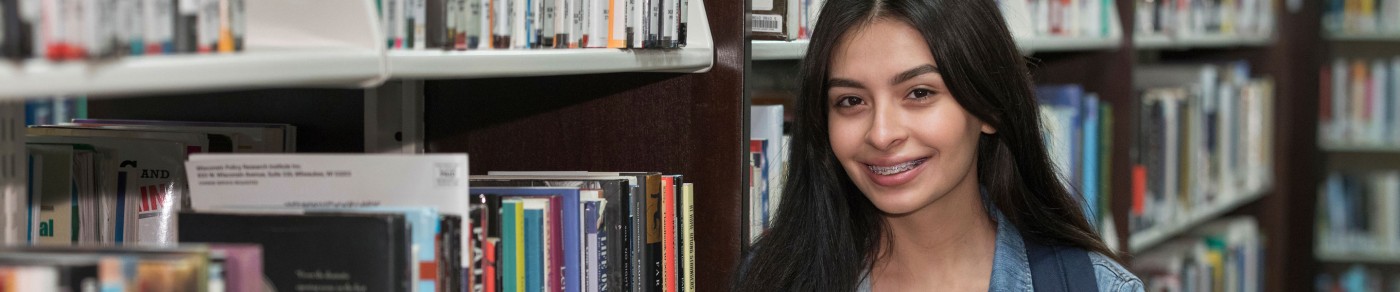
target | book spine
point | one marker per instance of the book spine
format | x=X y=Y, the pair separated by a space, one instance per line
x=653 y=260
x=687 y=267
x=668 y=231
x=535 y=267
x=593 y=259
x=512 y=233
x=617 y=23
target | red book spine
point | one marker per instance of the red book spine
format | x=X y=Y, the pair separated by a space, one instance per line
x=668 y=229
x=488 y=275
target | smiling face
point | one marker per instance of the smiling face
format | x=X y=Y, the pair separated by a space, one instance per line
x=896 y=129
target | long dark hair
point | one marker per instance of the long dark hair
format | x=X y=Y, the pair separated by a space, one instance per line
x=826 y=231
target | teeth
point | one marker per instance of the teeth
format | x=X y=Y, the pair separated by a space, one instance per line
x=892 y=170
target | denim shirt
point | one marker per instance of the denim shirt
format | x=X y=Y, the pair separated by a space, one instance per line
x=1011 y=269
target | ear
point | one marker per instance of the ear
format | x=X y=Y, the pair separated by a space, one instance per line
x=988 y=129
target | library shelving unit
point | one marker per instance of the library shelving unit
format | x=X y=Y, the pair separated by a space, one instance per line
x=795 y=50
x=1363 y=37
x=676 y=111
x=1163 y=42
x=1146 y=239
x=283 y=48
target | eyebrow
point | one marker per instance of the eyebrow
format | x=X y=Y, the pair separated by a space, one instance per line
x=902 y=77
x=911 y=73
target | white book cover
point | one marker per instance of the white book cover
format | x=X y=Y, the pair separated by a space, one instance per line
x=329 y=180
x=51 y=211
x=519 y=24
x=148 y=185
x=1385 y=209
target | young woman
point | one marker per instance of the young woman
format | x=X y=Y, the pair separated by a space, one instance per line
x=918 y=163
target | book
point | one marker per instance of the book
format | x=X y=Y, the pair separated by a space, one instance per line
x=242 y=265
x=452 y=254
x=614 y=190
x=143 y=186
x=766 y=123
x=571 y=244
x=485 y=225
x=593 y=259
x=766 y=20
x=52 y=207
x=295 y=250
x=687 y=223
x=669 y=255
x=536 y=267
x=758 y=189
x=194 y=143
x=513 y=239
x=246 y=137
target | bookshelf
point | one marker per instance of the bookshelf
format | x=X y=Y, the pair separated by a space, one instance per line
x=1363 y=37
x=1358 y=257
x=675 y=111
x=345 y=51
x=1149 y=238
x=1376 y=149
x=1214 y=41
x=795 y=50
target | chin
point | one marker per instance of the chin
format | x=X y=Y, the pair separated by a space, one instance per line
x=899 y=202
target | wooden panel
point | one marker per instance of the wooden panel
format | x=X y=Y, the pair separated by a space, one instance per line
x=327 y=120
x=691 y=124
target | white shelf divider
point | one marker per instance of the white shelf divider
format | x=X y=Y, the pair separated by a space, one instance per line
x=342 y=47
x=1163 y=42
x=1146 y=239
x=1363 y=37
x=1358 y=148
x=697 y=56
x=283 y=47
x=796 y=50
x=1355 y=257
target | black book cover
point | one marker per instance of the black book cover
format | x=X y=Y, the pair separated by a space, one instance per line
x=680 y=237
x=320 y=252
x=484 y=212
x=449 y=251
x=436 y=20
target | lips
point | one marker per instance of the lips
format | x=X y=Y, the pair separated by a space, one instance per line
x=898 y=168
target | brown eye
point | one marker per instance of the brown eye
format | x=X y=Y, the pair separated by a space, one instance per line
x=849 y=101
x=920 y=94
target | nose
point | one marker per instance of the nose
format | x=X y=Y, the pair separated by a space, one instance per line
x=887 y=129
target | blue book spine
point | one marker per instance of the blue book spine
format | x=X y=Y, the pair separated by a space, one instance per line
x=534 y=250
x=1091 y=160
x=593 y=247
x=508 y=240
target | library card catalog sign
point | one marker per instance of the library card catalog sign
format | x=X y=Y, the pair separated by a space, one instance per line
x=224 y=181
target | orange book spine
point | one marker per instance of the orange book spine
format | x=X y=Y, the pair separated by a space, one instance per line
x=668 y=231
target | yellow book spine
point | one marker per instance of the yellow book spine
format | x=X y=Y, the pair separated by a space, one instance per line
x=688 y=234
x=616 y=28
x=519 y=247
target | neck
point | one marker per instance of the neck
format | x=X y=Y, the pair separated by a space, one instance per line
x=950 y=241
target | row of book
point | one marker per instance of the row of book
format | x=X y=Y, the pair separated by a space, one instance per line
x=768 y=156
x=215 y=267
x=1357 y=278
x=784 y=20
x=1184 y=18
x=55 y=110
x=1078 y=129
x=1064 y=18
x=1204 y=140
x=61 y=30
x=119 y=181
x=1224 y=255
x=1358 y=103
x=1361 y=16
x=1359 y=214
x=533 y=24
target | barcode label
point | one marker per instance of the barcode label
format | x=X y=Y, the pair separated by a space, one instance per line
x=766 y=23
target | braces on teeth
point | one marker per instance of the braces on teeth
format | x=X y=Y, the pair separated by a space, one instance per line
x=902 y=167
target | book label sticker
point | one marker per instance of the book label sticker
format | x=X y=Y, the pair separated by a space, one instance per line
x=767 y=23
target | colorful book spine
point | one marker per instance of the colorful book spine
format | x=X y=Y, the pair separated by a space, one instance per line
x=593 y=260
x=534 y=247
x=668 y=229
x=513 y=240
x=688 y=237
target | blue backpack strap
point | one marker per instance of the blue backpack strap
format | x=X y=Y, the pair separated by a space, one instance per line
x=1060 y=268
